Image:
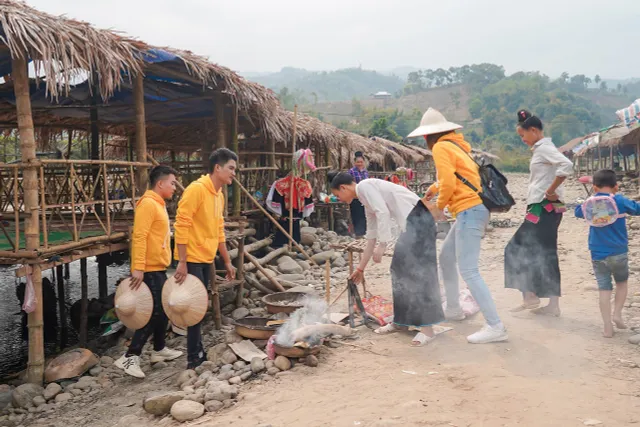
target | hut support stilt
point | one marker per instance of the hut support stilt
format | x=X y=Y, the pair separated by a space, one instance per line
x=84 y=305
x=62 y=308
x=236 y=149
x=20 y=76
x=141 y=133
x=103 y=286
x=240 y=261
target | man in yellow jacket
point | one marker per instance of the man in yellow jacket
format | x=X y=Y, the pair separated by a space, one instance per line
x=461 y=249
x=150 y=257
x=199 y=234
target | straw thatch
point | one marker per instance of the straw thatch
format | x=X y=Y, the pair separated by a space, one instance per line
x=566 y=148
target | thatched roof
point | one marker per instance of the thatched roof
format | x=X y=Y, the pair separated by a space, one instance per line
x=571 y=145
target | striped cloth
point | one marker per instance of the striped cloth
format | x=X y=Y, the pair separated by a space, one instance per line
x=631 y=114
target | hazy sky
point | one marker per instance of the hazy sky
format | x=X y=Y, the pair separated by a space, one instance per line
x=578 y=36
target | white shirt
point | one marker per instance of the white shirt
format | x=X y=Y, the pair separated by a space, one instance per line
x=547 y=163
x=384 y=201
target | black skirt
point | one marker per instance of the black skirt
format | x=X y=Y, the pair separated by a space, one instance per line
x=358 y=218
x=531 y=257
x=414 y=272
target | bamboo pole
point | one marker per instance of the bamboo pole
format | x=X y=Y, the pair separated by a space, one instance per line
x=240 y=259
x=215 y=297
x=293 y=173
x=264 y=272
x=271 y=147
x=93 y=162
x=105 y=185
x=16 y=208
x=236 y=207
x=132 y=176
x=20 y=76
x=72 y=177
x=141 y=132
x=43 y=209
x=287 y=235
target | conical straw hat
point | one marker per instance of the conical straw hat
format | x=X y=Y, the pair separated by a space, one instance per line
x=134 y=308
x=433 y=122
x=185 y=304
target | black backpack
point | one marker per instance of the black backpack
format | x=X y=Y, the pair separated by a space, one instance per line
x=494 y=193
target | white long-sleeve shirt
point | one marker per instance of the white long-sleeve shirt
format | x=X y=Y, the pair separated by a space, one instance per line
x=383 y=201
x=547 y=163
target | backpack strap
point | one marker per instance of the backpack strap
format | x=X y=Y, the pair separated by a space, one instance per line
x=464 y=180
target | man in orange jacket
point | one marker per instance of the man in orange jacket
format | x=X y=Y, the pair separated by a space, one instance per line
x=150 y=257
x=199 y=234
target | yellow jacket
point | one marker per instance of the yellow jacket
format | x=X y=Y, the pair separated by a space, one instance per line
x=151 y=241
x=450 y=159
x=200 y=221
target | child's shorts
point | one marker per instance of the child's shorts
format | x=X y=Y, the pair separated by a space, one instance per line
x=616 y=266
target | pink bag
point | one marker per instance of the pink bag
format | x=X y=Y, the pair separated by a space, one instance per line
x=467 y=302
x=29 y=304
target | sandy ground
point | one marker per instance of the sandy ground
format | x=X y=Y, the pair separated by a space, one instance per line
x=551 y=372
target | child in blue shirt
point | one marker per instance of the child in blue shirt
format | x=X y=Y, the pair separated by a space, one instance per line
x=609 y=246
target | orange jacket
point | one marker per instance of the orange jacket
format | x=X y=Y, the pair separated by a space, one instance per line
x=151 y=241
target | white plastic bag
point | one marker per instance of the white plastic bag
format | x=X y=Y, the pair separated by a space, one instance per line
x=30 y=301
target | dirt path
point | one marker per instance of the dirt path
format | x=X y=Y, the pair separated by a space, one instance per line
x=552 y=372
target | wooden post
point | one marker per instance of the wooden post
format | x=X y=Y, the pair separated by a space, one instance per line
x=215 y=297
x=236 y=205
x=62 y=308
x=20 y=76
x=84 y=305
x=240 y=260
x=221 y=126
x=293 y=173
x=16 y=207
x=103 y=277
x=271 y=159
x=141 y=133
x=67 y=273
x=107 y=211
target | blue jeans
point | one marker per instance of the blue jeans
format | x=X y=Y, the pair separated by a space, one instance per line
x=461 y=250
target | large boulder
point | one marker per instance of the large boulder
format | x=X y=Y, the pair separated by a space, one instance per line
x=161 y=404
x=323 y=257
x=71 y=364
x=240 y=313
x=307 y=238
x=187 y=410
x=23 y=395
x=287 y=265
x=52 y=391
x=215 y=354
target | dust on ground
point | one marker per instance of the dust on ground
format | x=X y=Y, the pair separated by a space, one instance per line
x=551 y=372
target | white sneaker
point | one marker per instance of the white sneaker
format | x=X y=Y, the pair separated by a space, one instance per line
x=454 y=314
x=489 y=334
x=132 y=367
x=165 y=355
x=120 y=362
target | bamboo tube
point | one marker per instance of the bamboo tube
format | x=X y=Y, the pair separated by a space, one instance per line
x=43 y=208
x=16 y=208
x=293 y=174
x=241 y=251
x=300 y=248
x=92 y=162
x=84 y=242
x=262 y=270
x=105 y=186
x=141 y=131
x=327 y=278
x=20 y=76
x=133 y=188
x=72 y=176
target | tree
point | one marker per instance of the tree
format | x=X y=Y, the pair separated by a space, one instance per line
x=619 y=87
x=381 y=128
x=597 y=79
x=603 y=86
x=475 y=108
x=455 y=97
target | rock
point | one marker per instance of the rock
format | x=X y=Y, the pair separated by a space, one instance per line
x=634 y=226
x=246 y=376
x=186 y=410
x=291 y=277
x=235 y=380
x=258 y=312
x=289 y=266
x=217 y=396
x=106 y=361
x=339 y=262
x=323 y=257
x=159 y=365
x=184 y=377
x=38 y=400
x=311 y=361
x=23 y=395
x=95 y=371
x=76 y=392
x=239 y=365
x=63 y=397
x=231 y=337
x=160 y=404
x=282 y=363
x=213 y=406
x=592 y=422
x=5 y=396
x=635 y=339
x=52 y=391
x=257 y=365
x=269 y=364
x=309 y=230
x=308 y=239
x=304 y=264
x=239 y=313
x=215 y=354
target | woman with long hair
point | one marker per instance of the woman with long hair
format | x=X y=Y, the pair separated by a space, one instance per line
x=531 y=257
x=358 y=172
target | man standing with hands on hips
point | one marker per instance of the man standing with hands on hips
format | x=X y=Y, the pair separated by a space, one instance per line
x=199 y=234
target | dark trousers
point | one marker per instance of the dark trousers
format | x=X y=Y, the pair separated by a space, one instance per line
x=158 y=323
x=195 y=350
x=358 y=218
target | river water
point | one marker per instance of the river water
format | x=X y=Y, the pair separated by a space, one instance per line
x=13 y=350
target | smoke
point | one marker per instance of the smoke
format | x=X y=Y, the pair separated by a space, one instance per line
x=311 y=314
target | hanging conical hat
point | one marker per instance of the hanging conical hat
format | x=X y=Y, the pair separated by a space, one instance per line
x=134 y=308
x=185 y=304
